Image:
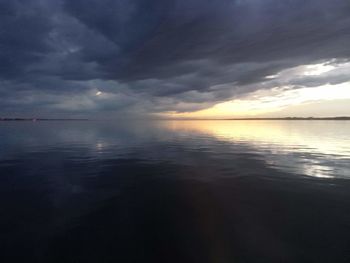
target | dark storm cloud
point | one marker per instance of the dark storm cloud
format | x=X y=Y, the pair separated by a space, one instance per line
x=24 y=26
x=156 y=55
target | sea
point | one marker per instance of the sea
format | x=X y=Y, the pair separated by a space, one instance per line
x=216 y=191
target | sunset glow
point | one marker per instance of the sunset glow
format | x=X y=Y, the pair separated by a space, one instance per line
x=283 y=97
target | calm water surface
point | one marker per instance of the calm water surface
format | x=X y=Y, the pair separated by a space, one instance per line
x=175 y=191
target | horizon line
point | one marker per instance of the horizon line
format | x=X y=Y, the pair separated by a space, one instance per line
x=188 y=119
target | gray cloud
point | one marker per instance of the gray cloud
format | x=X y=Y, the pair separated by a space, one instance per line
x=155 y=55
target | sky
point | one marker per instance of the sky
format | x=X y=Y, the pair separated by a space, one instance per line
x=174 y=58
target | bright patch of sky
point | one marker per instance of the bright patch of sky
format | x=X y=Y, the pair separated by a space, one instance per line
x=287 y=93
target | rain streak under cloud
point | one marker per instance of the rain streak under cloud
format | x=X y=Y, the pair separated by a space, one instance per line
x=184 y=58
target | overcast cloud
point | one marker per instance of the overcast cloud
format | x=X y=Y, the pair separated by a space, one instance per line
x=148 y=56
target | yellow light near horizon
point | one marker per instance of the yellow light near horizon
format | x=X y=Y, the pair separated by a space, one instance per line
x=264 y=102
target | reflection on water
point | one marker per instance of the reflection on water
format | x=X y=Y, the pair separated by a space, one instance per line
x=326 y=137
x=313 y=148
x=175 y=191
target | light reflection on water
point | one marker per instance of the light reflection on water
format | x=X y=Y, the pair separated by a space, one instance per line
x=313 y=148
x=175 y=191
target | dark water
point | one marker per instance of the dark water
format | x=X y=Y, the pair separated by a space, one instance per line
x=180 y=191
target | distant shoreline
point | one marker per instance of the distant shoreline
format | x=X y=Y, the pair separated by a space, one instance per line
x=344 y=118
x=39 y=119
x=295 y=118
x=268 y=119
